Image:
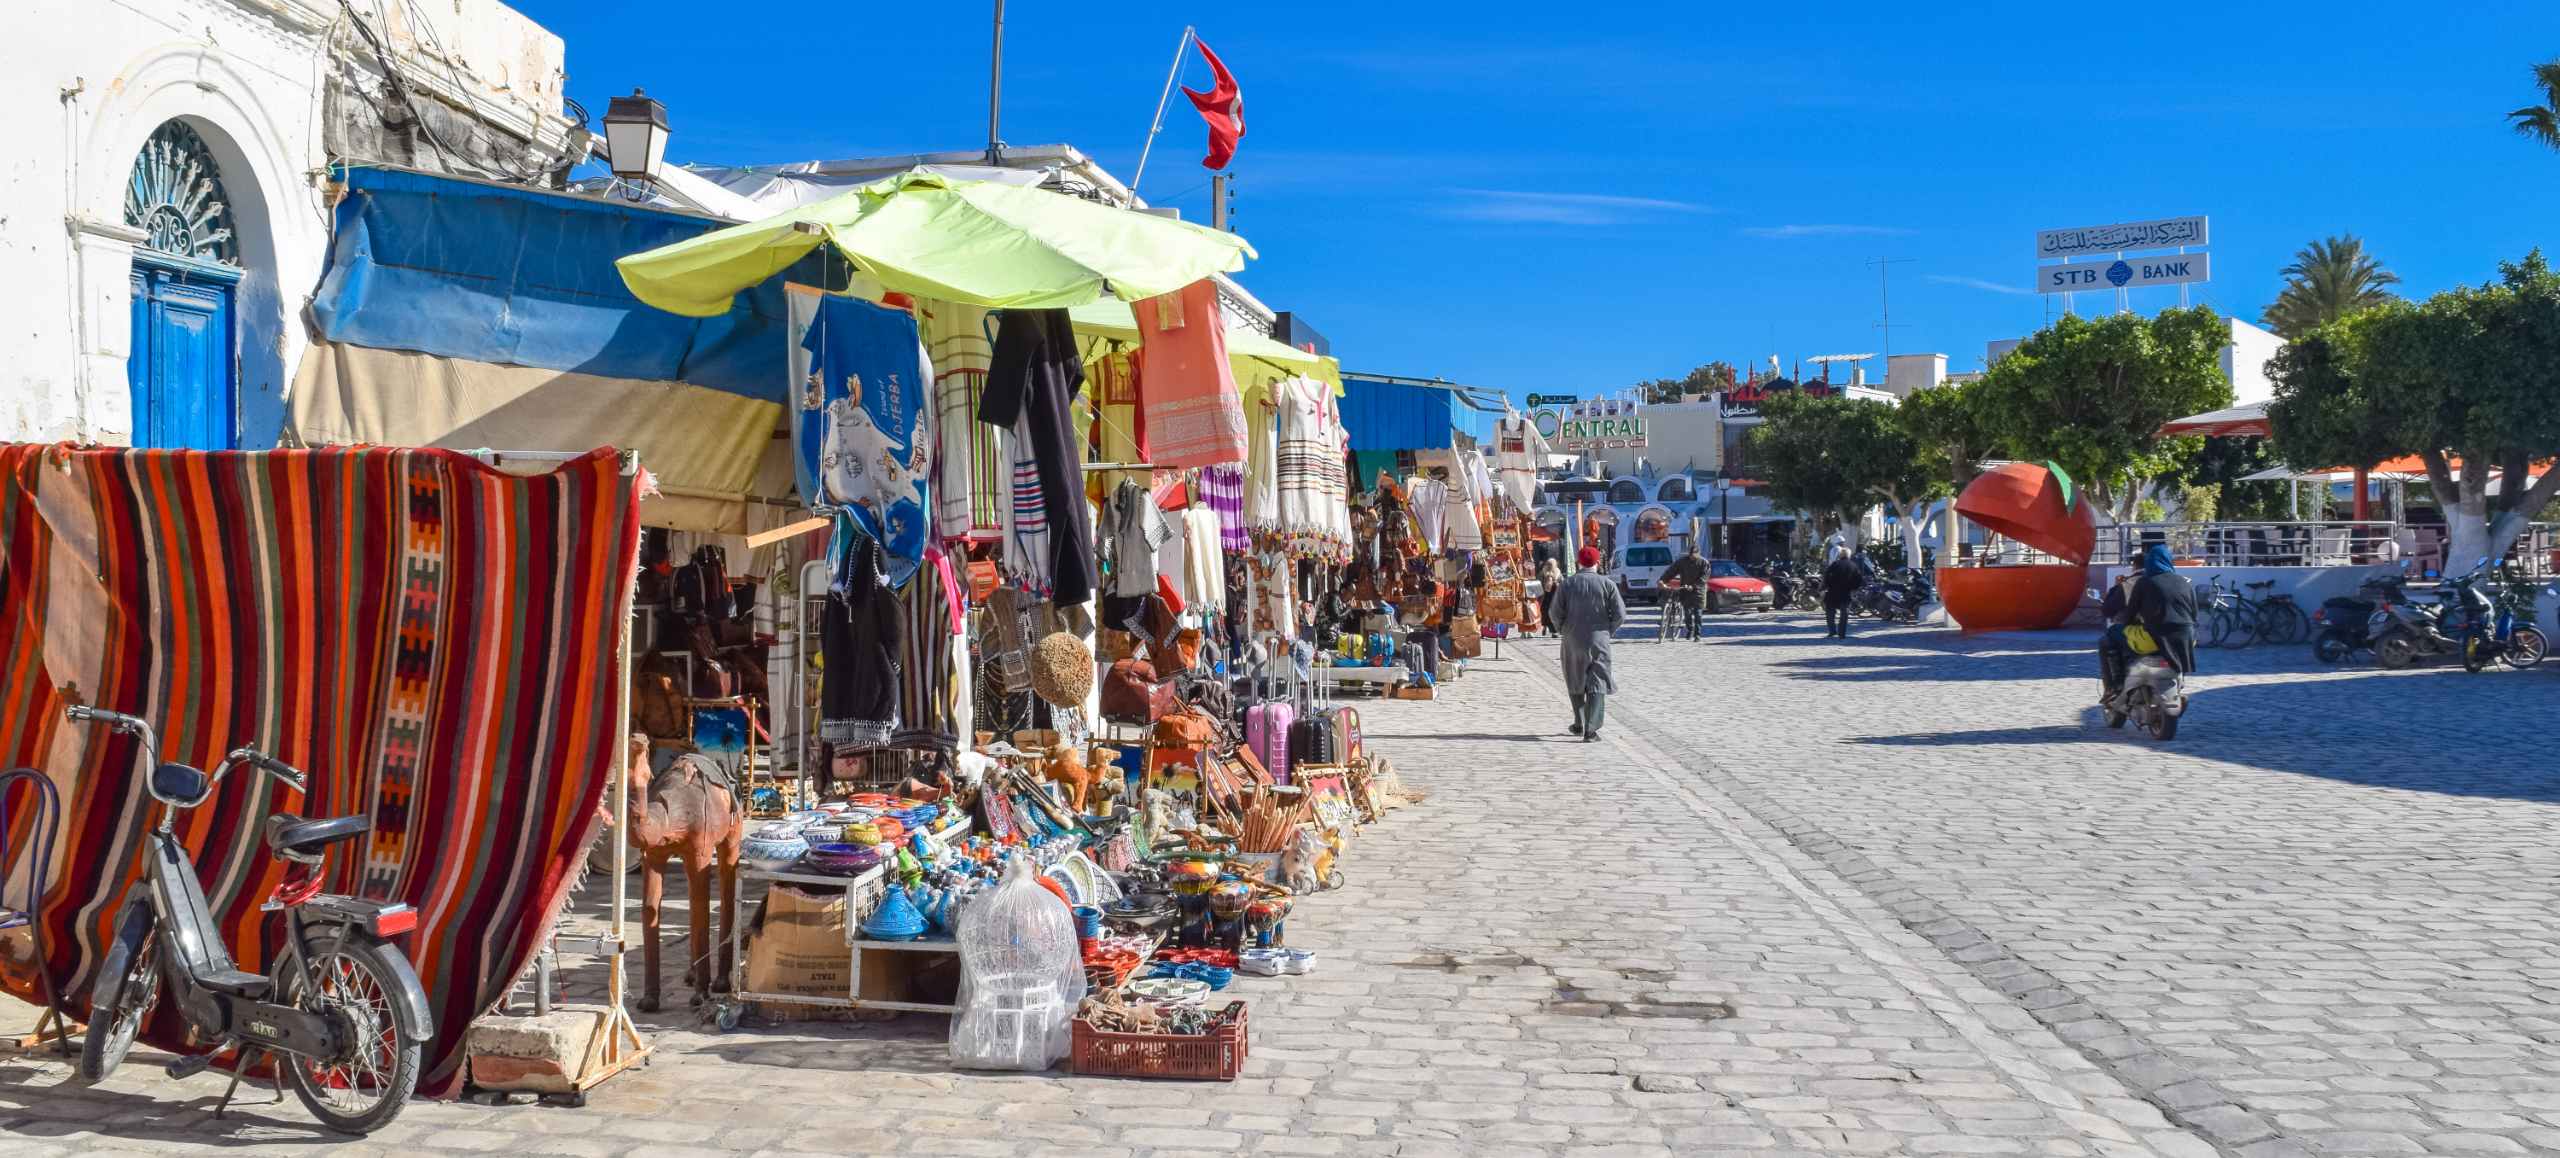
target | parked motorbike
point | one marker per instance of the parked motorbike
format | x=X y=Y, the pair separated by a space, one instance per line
x=2339 y=627
x=2508 y=634
x=2405 y=631
x=1894 y=599
x=342 y=1014
x=2154 y=695
x=1785 y=586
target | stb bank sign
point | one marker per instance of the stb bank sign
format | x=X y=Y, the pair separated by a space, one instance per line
x=2100 y=257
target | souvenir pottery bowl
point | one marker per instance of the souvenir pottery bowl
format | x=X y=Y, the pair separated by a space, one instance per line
x=871 y=800
x=1229 y=898
x=1266 y=910
x=842 y=859
x=1170 y=991
x=861 y=834
x=772 y=851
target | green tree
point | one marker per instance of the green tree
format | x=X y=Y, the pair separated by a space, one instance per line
x=2541 y=122
x=1707 y=379
x=2092 y=394
x=1948 y=423
x=2329 y=279
x=2468 y=381
x=1833 y=458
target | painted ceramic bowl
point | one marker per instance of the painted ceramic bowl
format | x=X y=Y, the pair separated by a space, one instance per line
x=1170 y=991
x=842 y=859
x=772 y=852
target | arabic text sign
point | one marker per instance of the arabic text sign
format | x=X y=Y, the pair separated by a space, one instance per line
x=2130 y=273
x=2166 y=233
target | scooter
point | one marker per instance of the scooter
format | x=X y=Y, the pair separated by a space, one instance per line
x=2508 y=636
x=2153 y=694
x=343 y=1013
x=2405 y=632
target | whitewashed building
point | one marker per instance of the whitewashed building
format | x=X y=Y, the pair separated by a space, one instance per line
x=165 y=192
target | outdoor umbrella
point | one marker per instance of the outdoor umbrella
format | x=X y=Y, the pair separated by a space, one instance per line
x=977 y=242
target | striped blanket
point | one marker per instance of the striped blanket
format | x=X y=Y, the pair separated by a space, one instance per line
x=432 y=641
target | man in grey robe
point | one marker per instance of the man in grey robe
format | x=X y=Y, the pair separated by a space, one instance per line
x=1587 y=610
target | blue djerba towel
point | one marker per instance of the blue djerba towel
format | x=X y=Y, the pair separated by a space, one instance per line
x=862 y=435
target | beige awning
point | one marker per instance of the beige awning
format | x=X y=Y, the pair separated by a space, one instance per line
x=714 y=455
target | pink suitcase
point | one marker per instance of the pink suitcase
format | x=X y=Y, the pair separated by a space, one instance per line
x=1266 y=729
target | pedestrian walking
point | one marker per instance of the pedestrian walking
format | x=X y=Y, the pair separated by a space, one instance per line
x=1588 y=609
x=1840 y=578
x=1550 y=577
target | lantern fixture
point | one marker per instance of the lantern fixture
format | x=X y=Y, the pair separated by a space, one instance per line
x=635 y=133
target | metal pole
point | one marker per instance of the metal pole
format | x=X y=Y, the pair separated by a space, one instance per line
x=995 y=92
x=1218 y=202
x=1157 y=125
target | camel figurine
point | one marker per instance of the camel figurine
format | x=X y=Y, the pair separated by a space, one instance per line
x=688 y=813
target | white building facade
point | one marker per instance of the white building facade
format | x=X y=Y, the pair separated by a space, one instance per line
x=166 y=195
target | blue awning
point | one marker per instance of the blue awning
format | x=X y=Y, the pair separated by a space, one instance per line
x=1394 y=416
x=523 y=277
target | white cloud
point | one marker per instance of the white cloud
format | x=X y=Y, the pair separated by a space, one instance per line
x=1980 y=284
x=1532 y=207
x=1791 y=232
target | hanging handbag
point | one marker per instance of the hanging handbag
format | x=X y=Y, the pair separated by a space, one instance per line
x=1466 y=637
x=1131 y=693
x=1186 y=728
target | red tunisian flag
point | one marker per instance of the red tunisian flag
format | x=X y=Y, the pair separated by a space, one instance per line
x=1223 y=107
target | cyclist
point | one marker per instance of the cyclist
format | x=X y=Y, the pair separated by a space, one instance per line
x=1686 y=579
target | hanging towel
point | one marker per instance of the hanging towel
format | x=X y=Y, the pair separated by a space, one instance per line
x=863 y=434
x=1194 y=417
x=1222 y=491
x=972 y=467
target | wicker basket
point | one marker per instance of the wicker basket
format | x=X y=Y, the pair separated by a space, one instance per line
x=1217 y=1055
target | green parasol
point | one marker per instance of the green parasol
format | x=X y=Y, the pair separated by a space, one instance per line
x=978 y=242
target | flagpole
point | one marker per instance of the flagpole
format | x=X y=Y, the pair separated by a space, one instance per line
x=1157 y=126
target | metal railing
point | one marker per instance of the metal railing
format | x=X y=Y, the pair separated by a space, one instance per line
x=2336 y=543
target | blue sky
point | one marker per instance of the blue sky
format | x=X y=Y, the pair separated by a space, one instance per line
x=1501 y=195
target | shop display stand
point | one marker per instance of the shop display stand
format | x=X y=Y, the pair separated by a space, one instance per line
x=861 y=892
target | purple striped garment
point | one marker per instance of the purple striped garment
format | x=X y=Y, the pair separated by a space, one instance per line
x=1222 y=487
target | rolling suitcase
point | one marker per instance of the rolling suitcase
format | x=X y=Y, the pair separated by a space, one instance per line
x=1266 y=731
x=1346 y=729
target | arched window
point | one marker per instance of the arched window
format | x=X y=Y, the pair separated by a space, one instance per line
x=1675 y=489
x=1626 y=490
x=175 y=198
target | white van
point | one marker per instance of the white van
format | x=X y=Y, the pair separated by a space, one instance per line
x=1639 y=567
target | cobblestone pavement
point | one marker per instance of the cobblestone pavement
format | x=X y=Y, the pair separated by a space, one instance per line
x=2321 y=920
x=1569 y=948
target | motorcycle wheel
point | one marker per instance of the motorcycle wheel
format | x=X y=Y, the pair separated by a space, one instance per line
x=128 y=986
x=357 y=982
x=2115 y=719
x=2332 y=646
x=2395 y=649
x=2526 y=648
x=2163 y=725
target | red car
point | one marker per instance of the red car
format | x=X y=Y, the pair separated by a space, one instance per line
x=1730 y=588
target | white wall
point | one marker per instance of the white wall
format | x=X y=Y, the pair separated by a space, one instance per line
x=2245 y=362
x=1680 y=436
x=83 y=83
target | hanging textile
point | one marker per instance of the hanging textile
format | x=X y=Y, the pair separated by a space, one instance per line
x=1222 y=491
x=926 y=635
x=1519 y=452
x=1194 y=417
x=972 y=468
x=1428 y=499
x=1315 y=515
x=1262 y=462
x=1133 y=528
x=432 y=641
x=862 y=434
x=860 y=645
x=1031 y=387
x=1205 y=558
x=1120 y=428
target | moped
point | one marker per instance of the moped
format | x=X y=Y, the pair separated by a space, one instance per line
x=342 y=1014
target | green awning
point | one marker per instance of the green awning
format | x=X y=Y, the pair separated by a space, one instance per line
x=978 y=242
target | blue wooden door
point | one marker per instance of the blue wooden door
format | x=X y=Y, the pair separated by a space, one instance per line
x=184 y=366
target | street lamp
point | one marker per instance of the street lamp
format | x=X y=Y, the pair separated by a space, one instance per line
x=635 y=134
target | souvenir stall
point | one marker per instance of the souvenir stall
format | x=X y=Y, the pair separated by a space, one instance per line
x=1062 y=775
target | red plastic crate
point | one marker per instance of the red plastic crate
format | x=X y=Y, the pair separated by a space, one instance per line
x=1217 y=1055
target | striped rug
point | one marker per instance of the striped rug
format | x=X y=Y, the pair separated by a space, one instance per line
x=432 y=641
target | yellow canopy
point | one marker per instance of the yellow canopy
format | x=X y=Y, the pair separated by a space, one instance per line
x=979 y=242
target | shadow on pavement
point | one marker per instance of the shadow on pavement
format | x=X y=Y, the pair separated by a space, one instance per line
x=2292 y=725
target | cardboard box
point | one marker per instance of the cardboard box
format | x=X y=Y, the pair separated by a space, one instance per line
x=1414 y=692
x=800 y=950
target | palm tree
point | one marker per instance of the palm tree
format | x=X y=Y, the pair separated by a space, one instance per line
x=2329 y=279
x=2541 y=122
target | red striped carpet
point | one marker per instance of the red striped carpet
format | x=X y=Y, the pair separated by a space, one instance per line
x=432 y=641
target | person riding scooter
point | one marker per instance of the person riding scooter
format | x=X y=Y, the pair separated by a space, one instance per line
x=2164 y=603
x=2114 y=655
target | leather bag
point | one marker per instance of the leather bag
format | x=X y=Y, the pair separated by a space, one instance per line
x=1131 y=693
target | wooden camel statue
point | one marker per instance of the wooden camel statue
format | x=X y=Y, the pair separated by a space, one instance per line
x=687 y=813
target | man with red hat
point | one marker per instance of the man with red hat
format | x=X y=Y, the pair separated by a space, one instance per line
x=1588 y=609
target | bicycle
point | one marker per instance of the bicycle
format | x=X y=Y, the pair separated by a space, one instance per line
x=1676 y=615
